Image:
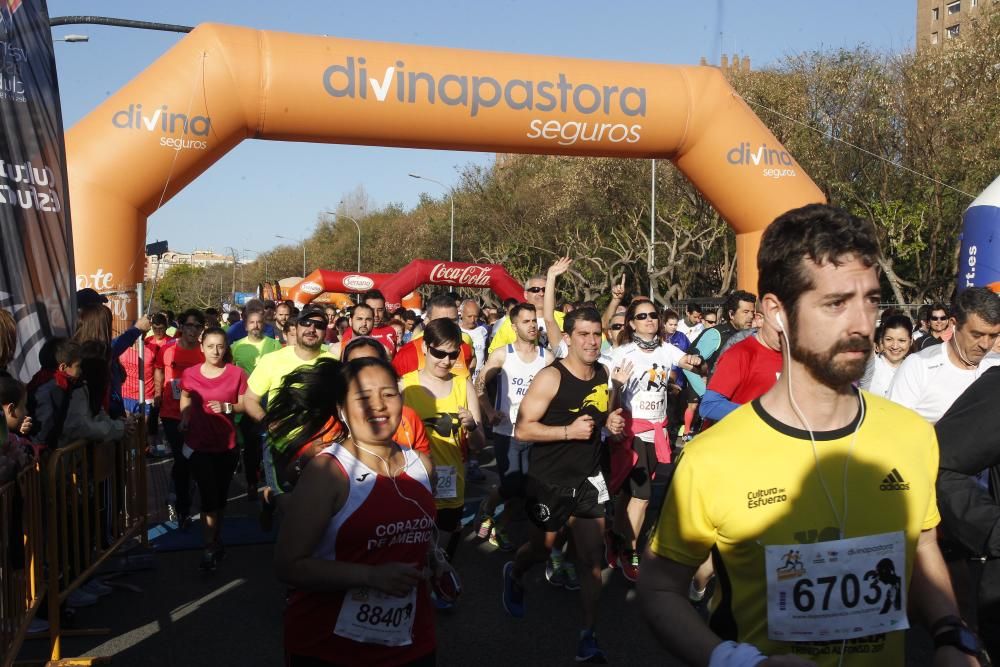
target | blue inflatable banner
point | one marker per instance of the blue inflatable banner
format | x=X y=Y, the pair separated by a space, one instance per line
x=979 y=259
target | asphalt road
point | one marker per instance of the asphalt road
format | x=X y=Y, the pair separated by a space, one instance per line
x=174 y=614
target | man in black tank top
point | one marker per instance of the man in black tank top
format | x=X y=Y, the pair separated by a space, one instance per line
x=562 y=414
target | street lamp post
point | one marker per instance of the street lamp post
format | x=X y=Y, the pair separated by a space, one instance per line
x=71 y=38
x=451 y=196
x=303 y=242
x=334 y=214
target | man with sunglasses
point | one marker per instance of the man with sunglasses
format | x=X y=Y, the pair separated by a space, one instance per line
x=270 y=373
x=937 y=325
x=710 y=319
x=534 y=293
x=171 y=361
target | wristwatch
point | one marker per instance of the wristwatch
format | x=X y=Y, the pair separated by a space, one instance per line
x=956 y=635
x=227 y=408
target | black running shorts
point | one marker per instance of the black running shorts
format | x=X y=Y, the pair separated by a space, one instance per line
x=550 y=506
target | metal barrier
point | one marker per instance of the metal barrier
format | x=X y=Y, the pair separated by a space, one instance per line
x=22 y=580
x=96 y=498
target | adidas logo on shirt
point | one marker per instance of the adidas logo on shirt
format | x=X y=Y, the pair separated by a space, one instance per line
x=894 y=482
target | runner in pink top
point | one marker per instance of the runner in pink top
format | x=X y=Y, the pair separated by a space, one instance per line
x=211 y=393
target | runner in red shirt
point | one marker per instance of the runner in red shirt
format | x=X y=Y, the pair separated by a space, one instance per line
x=380 y=328
x=358 y=538
x=171 y=362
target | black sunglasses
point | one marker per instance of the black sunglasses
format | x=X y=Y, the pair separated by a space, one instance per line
x=194 y=325
x=441 y=354
x=617 y=327
x=710 y=321
x=315 y=324
x=536 y=290
x=644 y=316
x=938 y=319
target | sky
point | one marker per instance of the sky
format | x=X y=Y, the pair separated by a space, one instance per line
x=263 y=188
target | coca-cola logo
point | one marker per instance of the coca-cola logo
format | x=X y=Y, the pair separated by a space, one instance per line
x=310 y=287
x=358 y=283
x=468 y=276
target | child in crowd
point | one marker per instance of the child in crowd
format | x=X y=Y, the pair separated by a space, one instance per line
x=16 y=452
x=64 y=408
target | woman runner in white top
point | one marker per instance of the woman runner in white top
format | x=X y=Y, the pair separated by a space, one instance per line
x=894 y=342
x=641 y=368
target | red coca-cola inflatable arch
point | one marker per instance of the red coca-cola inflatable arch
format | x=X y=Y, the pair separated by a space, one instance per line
x=394 y=286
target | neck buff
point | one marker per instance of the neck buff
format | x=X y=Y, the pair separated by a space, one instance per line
x=646 y=345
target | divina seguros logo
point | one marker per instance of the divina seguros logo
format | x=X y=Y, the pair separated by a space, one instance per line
x=167 y=122
x=476 y=93
x=777 y=163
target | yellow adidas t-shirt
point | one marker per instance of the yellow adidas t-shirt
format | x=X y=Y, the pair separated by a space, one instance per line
x=750 y=481
x=444 y=430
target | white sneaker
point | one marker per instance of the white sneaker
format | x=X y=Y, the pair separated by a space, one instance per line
x=97 y=587
x=81 y=598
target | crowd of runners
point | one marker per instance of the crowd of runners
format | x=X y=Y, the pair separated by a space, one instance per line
x=817 y=457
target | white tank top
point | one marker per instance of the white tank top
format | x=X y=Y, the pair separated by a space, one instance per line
x=515 y=376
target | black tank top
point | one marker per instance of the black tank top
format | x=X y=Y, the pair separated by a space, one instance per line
x=569 y=462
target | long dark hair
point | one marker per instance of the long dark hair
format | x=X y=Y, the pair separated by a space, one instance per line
x=309 y=397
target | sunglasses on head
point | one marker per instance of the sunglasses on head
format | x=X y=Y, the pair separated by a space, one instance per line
x=441 y=354
x=315 y=324
x=536 y=290
x=938 y=319
x=644 y=316
x=617 y=327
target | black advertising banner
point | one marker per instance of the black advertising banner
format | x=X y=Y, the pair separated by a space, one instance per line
x=36 y=257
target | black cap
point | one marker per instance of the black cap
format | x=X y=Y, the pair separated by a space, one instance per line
x=89 y=297
x=313 y=312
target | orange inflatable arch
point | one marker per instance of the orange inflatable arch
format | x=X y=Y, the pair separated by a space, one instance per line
x=222 y=84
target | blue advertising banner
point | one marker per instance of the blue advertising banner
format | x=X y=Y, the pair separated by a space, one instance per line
x=36 y=258
x=979 y=258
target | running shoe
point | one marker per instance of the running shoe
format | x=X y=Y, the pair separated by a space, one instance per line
x=554 y=570
x=588 y=650
x=513 y=592
x=97 y=587
x=570 y=581
x=484 y=520
x=38 y=625
x=499 y=539
x=473 y=473
x=80 y=598
x=630 y=566
x=441 y=605
x=612 y=548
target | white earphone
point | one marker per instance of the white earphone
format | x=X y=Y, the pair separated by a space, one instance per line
x=781 y=325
